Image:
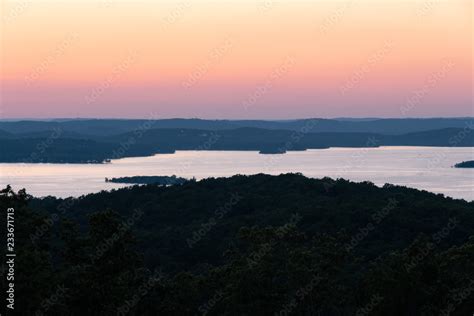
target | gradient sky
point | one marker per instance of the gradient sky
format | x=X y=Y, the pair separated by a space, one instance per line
x=236 y=59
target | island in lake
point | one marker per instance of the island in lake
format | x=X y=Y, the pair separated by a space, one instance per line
x=161 y=180
x=465 y=164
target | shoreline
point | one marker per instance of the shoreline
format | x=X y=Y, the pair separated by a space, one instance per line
x=260 y=152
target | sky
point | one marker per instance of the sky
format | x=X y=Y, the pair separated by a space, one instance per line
x=265 y=59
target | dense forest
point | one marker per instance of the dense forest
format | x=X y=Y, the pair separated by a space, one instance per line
x=245 y=245
x=98 y=141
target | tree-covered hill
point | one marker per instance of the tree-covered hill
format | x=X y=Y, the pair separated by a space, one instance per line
x=250 y=245
x=60 y=146
x=109 y=127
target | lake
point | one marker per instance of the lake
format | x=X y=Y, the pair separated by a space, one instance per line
x=428 y=168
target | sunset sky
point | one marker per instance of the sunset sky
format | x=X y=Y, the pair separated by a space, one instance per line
x=236 y=59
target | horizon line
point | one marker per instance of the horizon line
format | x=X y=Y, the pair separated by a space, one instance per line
x=230 y=119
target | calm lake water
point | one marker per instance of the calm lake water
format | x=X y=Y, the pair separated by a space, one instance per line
x=428 y=168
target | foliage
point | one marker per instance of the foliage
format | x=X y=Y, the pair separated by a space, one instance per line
x=262 y=245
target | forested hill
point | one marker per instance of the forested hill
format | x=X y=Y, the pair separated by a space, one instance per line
x=58 y=146
x=265 y=245
x=108 y=127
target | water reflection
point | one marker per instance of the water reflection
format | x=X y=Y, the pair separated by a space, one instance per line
x=428 y=168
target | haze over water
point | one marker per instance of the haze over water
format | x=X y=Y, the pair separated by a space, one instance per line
x=427 y=168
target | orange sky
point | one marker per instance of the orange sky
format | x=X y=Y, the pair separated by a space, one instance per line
x=236 y=59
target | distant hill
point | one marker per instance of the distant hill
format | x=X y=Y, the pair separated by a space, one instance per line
x=449 y=137
x=73 y=147
x=108 y=127
x=4 y=134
